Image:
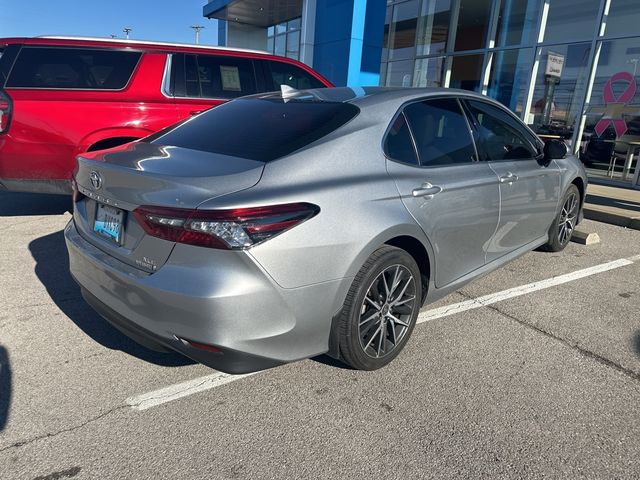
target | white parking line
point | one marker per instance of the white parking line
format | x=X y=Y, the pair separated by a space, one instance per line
x=184 y=389
x=180 y=390
x=518 y=291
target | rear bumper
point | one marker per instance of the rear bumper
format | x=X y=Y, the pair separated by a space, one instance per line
x=214 y=297
x=229 y=361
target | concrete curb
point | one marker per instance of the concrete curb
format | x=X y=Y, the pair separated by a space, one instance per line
x=612 y=218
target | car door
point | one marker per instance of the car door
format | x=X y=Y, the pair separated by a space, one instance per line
x=529 y=189
x=453 y=196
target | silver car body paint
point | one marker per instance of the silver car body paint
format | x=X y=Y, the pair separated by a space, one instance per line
x=276 y=300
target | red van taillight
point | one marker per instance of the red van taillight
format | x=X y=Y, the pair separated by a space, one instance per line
x=228 y=229
x=5 y=111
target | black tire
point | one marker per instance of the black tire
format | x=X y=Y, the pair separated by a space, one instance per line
x=363 y=347
x=564 y=222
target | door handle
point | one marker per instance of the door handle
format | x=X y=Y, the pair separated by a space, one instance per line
x=508 y=178
x=426 y=190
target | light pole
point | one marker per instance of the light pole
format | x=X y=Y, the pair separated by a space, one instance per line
x=126 y=31
x=197 y=29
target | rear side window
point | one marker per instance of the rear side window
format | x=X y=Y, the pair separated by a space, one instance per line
x=7 y=56
x=499 y=136
x=72 y=68
x=211 y=76
x=398 y=144
x=441 y=132
x=286 y=74
x=262 y=129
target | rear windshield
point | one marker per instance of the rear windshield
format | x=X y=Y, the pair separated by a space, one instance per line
x=262 y=129
x=72 y=68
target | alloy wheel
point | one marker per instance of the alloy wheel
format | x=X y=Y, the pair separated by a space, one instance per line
x=385 y=313
x=568 y=217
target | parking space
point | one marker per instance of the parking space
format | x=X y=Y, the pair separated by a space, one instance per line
x=542 y=381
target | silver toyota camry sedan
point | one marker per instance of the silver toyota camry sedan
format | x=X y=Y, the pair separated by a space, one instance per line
x=286 y=225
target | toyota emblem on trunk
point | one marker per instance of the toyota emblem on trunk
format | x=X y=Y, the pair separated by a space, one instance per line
x=96 y=180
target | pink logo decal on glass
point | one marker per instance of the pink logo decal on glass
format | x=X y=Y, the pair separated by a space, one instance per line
x=615 y=106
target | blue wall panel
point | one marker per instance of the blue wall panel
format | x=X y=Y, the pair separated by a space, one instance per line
x=348 y=39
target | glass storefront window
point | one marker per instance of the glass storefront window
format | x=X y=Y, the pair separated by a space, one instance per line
x=428 y=72
x=433 y=27
x=293 y=44
x=623 y=18
x=285 y=44
x=466 y=72
x=559 y=91
x=517 y=22
x=571 y=20
x=510 y=73
x=473 y=22
x=280 y=45
x=399 y=74
x=294 y=24
x=402 y=30
x=612 y=126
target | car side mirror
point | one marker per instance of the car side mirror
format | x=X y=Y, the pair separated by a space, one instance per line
x=555 y=150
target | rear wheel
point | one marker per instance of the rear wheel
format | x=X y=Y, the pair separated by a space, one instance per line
x=565 y=222
x=380 y=310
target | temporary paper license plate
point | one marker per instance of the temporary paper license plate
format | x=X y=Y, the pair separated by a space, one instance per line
x=109 y=222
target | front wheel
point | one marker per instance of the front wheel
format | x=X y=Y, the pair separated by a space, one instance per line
x=380 y=310
x=565 y=222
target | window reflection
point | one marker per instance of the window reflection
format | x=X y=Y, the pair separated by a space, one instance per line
x=473 y=21
x=466 y=72
x=402 y=31
x=623 y=18
x=517 y=22
x=510 y=72
x=428 y=72
x=559 y=88
x=571 y=19
x=612 y=127
x=433 y=27
x=399 y=74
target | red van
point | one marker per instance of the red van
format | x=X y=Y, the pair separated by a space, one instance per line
x=61 y=96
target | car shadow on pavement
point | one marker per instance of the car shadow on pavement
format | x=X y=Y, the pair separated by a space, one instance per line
x=5 y=387
x=52 y=269
x=636 y=343
x=13 y=204
x=331 y=362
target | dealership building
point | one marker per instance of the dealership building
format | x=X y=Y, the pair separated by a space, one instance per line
x=568 y=68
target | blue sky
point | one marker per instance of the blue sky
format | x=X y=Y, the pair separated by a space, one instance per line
x=161 y=20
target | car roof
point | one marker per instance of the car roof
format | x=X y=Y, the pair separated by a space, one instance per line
x=373 y=96
x=99 y=41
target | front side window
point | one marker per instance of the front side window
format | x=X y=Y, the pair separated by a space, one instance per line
x=441 y=132
x=282 y=73
x=72 y=68
x=499 y=136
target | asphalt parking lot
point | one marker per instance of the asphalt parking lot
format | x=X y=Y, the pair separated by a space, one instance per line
x=542 y=380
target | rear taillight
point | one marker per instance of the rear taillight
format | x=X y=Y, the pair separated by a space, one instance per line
x=5 y=111
x=229 y=229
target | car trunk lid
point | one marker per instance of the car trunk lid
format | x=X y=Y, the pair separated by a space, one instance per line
x=113 y=183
